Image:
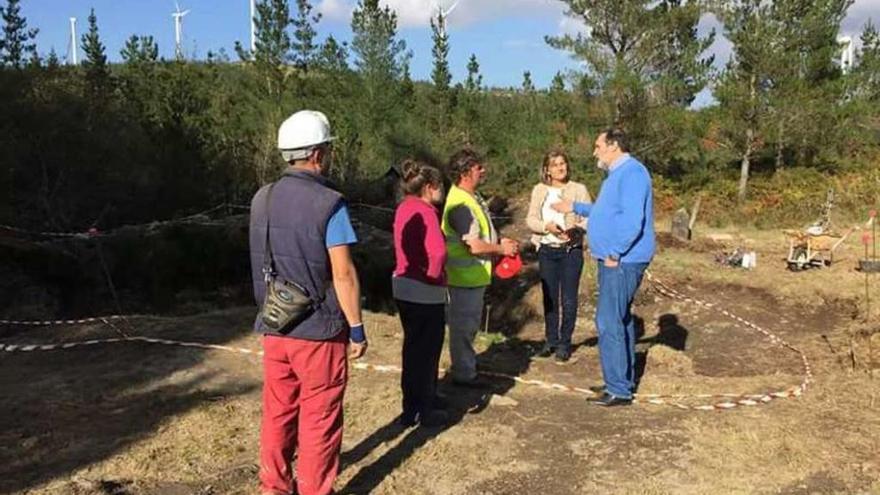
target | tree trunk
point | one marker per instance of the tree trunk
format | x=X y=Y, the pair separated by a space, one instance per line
x=750 y=141
x=780 y=147
x=744 y=165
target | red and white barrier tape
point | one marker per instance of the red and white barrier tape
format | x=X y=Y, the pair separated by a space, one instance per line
x=729 y=400
x=18 y=230
x=746 y=400
x=52 y=323
x=656 y=399
x=94 y=232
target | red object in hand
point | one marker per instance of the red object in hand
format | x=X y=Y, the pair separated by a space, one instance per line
x=508 y=267
x=866 y=238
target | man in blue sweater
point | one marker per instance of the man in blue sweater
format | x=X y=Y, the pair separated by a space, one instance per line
x=621 y=234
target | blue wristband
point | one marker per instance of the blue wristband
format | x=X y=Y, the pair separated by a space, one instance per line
x=357 y=334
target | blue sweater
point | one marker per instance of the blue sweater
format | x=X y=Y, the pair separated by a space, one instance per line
x=622 y=218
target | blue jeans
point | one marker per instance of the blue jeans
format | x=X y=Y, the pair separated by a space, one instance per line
x=560 y=270
x=615 y=325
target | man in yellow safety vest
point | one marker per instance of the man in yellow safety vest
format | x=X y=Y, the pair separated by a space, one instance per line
x=471 y=243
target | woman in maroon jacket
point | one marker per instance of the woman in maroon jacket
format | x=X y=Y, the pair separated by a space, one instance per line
x=419 y=286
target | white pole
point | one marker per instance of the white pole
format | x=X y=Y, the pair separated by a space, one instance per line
x=177 y=35
x=178 y=27
x=73 y=45
x=847 y=53
x=253 y=26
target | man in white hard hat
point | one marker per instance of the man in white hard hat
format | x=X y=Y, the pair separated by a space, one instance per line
x=305 y=223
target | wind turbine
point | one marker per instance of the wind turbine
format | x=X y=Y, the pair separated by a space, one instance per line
x=73 y=46
x=253 y=26
x=442 y=16
x=178 y=25
x=847 y=53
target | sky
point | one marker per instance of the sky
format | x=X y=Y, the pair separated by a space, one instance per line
x=507 y=36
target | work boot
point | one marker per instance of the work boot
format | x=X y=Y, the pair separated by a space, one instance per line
x=434 y=418
x=545 y=351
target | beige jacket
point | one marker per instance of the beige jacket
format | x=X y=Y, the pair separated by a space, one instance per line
x=574 y=191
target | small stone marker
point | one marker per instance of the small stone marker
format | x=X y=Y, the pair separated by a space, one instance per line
x=680 y=225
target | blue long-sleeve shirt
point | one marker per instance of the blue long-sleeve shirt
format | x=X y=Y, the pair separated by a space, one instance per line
x=622 y=218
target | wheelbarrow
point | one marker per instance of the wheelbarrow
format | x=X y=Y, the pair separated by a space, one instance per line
x=809 y=249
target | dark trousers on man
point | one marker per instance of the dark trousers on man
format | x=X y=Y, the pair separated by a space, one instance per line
x=423 y=331
x=616 y=326
x=560 y=270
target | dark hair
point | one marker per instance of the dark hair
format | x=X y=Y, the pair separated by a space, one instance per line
x=616 y=135
x=416 y=175
x=461 y=163
x=545 y=166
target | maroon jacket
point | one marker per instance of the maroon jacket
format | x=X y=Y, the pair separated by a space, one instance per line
x=419 y=245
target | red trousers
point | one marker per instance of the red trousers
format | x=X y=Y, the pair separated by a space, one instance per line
x=303 y=385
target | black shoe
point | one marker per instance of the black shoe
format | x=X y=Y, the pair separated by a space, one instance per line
x=563 y=357
x=440 y=402
x=545 y=352
x=406 y=420
x=608 y=400
x=474 y=383
x=597 y=389
x=434 y=418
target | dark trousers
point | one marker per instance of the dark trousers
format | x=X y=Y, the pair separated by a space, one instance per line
x=424 y=326
x=560 y=270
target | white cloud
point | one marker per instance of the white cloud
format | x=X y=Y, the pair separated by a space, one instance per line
x=336 y=10
x=858 y=15
x=417 y=13
x=571 y=26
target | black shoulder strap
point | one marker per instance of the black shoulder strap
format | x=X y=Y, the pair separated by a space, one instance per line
x=268 y=258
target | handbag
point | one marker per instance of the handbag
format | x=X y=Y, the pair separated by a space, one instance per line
x=287 y=303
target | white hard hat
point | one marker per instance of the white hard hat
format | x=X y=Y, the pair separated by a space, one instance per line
x=301 y=132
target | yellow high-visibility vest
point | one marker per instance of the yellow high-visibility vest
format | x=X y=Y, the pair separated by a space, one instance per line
x=462 y=268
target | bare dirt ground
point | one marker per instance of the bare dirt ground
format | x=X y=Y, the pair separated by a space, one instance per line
x=137 y=418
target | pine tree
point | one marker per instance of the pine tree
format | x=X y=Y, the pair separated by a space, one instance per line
x=140 y=50
x=559 y=101
x=440 y=74
x=781 y=78
x=35 y=61
x=407 y=87
x=527 y=86
x=866 y=72
x=380 y=59
x=305 y=51
x=474 y=80
x=743 y=87
x=16 y=43
x=558 y=83
x=52 y=62
x=272 y=45
x=804 y=76
x=333 y=56
x=376 y=47
x=639 y=50
x=95 y=62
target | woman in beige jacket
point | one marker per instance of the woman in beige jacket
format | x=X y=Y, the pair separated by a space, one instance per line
x=559 y=239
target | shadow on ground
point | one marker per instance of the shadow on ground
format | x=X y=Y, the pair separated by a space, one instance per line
x=509 y=356
x=63 y=410
x=671 y=334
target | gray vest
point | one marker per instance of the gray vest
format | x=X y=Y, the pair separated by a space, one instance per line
x=302 y=203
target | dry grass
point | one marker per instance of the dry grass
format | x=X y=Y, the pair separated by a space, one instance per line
x=826 y=441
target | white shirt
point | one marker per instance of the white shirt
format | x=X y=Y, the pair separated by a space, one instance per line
x=548 y=214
